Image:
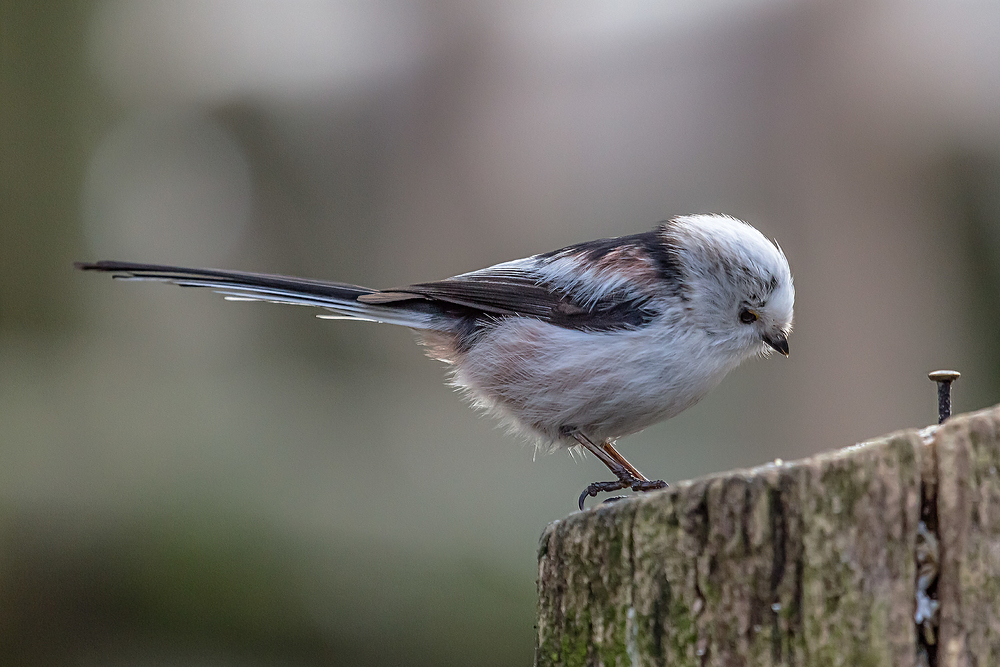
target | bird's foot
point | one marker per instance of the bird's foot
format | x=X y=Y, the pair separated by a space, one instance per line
x=600 y=487
x=625 y=481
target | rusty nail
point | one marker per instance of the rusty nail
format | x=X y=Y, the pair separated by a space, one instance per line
x=944 y=380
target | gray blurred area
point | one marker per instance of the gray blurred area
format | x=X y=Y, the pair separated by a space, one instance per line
x=187 y=481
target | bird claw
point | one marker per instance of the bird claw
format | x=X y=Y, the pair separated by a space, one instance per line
x=602 y=487
x=631 y=482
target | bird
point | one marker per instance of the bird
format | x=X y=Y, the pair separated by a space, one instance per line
x=577 y=347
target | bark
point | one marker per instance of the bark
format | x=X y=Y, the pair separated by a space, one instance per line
x=885 y=553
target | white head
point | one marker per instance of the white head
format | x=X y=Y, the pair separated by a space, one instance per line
x=739 y=282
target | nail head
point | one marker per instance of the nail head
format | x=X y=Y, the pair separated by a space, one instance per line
x=944 y=376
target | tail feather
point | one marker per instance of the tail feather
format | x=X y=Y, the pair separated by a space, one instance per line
x=340 y=298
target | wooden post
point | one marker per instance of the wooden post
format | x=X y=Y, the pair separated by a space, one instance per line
x=885 y=553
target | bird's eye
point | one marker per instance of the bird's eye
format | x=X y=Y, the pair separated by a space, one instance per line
x=747 y=316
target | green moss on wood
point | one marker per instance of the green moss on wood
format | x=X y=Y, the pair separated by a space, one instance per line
x=810 y=563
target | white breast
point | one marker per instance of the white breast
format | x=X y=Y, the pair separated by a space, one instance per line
x=544 y=379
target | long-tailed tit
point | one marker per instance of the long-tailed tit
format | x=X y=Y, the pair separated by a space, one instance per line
x=578 y=346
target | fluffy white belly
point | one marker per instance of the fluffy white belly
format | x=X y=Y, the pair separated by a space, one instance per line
x=547 y=380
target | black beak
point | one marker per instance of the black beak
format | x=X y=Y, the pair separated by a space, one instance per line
x=778 y=342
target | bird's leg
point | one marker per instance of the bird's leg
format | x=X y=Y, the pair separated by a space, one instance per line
x=644 y=484
x=626 y=473
x=625 y=478
x=610 y=449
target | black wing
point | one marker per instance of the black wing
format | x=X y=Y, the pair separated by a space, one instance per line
x=565 y=296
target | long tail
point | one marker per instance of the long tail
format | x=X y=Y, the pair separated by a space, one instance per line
x=341 y=299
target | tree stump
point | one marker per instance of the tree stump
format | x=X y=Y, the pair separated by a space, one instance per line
x=884 y=553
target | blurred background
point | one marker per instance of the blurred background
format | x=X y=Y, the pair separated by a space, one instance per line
x=186 y=481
